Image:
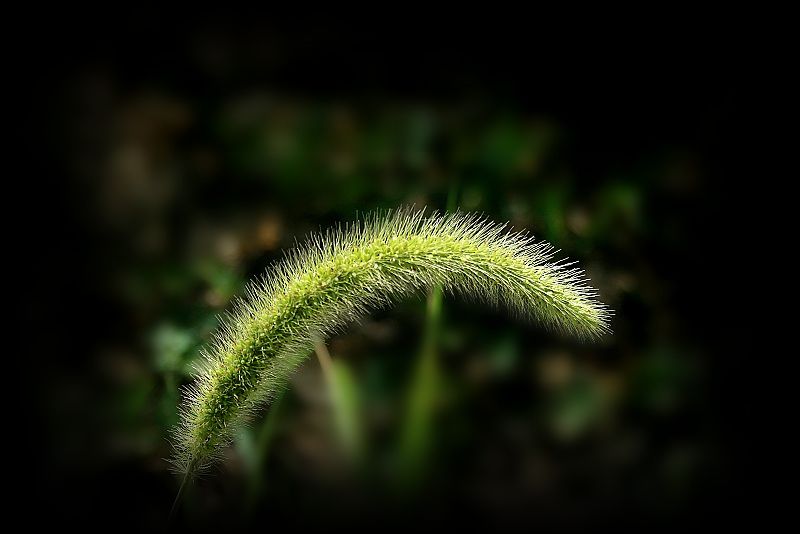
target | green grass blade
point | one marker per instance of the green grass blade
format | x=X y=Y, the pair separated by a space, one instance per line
x=344 y=398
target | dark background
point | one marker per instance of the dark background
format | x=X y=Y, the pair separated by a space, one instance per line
x=171 y=161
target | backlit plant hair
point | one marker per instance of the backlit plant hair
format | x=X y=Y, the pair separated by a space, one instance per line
x=339 y=276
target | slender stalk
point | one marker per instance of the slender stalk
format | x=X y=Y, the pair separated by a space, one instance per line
x=177 y=500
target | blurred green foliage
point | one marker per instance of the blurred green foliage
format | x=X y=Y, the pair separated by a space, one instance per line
x=197 y=197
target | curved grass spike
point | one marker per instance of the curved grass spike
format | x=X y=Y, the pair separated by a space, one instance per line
x=339 y=276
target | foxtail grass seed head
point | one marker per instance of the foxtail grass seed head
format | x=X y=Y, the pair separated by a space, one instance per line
x=339 y=276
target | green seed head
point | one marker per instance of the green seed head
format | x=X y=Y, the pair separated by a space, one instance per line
x=339 y=276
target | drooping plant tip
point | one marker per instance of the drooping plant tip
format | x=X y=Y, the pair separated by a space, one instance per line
x=339 y=276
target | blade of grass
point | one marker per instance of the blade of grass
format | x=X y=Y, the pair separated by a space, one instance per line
x=417 y=430
x=254 y=448
x=343 y=394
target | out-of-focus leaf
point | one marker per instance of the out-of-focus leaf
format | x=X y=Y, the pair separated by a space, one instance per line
x=576 y=408
x=504 y=355
x=170 y=345
x=662 y=381
x=345 y=398
x=253 y=445
x=417 y=428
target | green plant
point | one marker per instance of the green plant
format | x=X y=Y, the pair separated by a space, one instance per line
x=341 y=275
